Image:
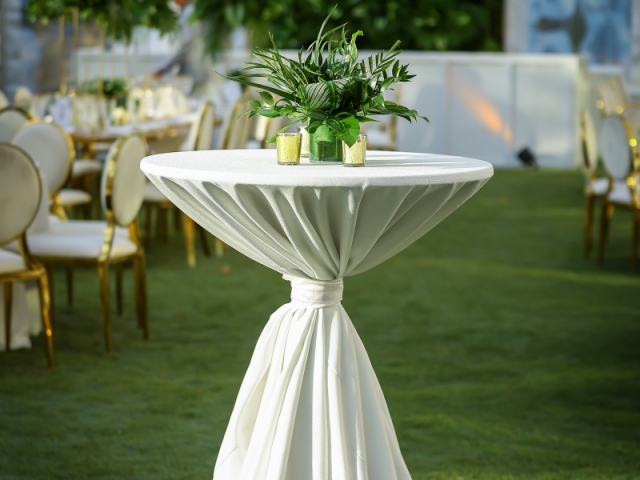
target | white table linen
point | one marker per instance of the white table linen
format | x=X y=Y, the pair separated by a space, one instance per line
x=25 y=315
x=310 y=405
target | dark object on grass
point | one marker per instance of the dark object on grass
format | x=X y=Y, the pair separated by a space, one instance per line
x=527 y=157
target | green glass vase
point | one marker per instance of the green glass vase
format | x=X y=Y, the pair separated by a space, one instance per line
x=324 y=147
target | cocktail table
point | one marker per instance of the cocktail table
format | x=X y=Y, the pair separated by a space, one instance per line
x=310 y=406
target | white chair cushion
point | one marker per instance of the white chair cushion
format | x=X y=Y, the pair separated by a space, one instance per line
x=82 y=245
x=85 y=167
x=153 y=195
x=599 y=186
x=620 y=194
x=11 y=262
x=70 y=197
x=83 y=226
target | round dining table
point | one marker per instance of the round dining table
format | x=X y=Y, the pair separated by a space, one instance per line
x=310 y=405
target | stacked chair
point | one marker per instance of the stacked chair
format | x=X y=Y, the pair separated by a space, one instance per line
x=20 y=197
x=620 y=155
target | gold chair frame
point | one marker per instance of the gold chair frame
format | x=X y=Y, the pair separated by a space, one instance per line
x=104 y=261
x=589 y=196
x=608 y=206
x=34 y=271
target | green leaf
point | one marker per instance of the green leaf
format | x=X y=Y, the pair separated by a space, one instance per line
x=387 y=83
x=349 y=130
x=268 y=98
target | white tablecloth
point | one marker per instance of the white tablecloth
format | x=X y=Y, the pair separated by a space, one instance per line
x=25 y=315
x=310 y=405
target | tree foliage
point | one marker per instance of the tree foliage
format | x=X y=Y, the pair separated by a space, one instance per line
x=419 y=24
x=117 y=17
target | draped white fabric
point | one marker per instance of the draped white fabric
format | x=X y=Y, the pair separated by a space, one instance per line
x=310 y=405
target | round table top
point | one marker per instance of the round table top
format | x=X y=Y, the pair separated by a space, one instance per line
x=259 y=167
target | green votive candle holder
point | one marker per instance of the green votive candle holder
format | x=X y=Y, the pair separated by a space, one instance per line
x=356 y=155
x=288 y=148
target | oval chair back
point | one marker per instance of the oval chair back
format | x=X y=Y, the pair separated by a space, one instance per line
x=122 y=188
x=190 y=142
x=23 y=98
x=237 y=128
x=612 y=97
x=273 y=126
x=205 y=128
x=20 y=192
x=618 y=147
x=51 y=148
x=11 y=119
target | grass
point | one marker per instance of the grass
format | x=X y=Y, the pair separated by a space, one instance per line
x=502 y=353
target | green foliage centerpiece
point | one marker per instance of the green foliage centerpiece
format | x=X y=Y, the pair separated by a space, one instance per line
x=327 y=88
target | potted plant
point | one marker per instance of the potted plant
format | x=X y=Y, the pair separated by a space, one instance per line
x=327 y=88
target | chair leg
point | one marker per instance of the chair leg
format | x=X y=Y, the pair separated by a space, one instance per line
x=588 y=224
x=119 y=272
x=70 y=284
x=177 y=224
x=205 y=241
x=49 y=270
x=190 y=240
x=605 y=219
x=45 y=312
x=103 y=276
x=219 y=247
x=8 y=300
x=635 y=240
x=147 y=225
x=141 y=294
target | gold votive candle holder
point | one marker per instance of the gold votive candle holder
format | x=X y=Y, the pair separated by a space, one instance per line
x=356 y=155
x=304 y=149
x=288 y=148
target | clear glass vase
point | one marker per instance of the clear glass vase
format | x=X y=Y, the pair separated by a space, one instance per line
x=324 y=147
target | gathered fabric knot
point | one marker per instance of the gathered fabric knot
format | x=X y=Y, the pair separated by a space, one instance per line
x=315 y=293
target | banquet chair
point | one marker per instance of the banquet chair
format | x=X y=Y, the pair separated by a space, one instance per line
x=11 y=118
x=23 y=98
x=20 y=196
x=198 y=138
x=111 y=242
x=237 y=129
x=595 y=188
x=620 y=155
x=3 y=100
x=612 y=96
x=52 y=149
x=84 y=175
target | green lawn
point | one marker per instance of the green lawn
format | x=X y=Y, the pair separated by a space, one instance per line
x=502 y=353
